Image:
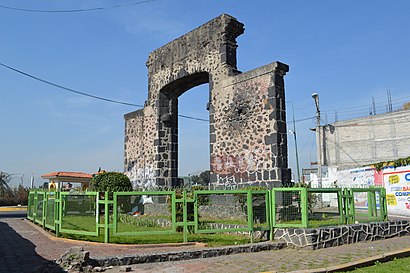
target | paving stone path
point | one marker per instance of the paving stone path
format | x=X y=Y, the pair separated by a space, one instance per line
x=283 y=260
x=24 y=246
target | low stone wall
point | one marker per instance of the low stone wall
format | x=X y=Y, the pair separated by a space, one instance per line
x=315 y=238
x=185 y=254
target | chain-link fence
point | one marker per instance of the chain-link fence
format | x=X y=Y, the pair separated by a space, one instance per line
x=212 y=211
x=50 y=210
x=39 y=207
x=30 y=206
x=324 y=207
x=288 y=205
x=79 y=213
x=221 y=211
x=368 y=205
x=143 y=212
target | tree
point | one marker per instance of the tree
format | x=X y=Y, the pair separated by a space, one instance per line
x=21 y=194
x=110 y=181
x=406 y=106
x=203 y=178
x=196 y=179
x=4 y=179
x=7 y=195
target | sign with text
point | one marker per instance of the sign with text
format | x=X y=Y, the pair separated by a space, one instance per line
x=397 y=184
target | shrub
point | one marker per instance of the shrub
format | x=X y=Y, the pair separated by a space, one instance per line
x=110 y=181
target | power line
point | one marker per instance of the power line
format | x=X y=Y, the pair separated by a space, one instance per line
x=86 y=94
x=366 y=108
x=299 y=120
x=66 y=88
x=77 y=10
x=194 y=118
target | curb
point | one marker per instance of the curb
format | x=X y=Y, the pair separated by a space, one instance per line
x=13 y=208
x=181 y=255
x=386 y=257
x=72 y=241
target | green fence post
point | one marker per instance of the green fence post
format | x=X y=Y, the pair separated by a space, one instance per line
x=250 y=213
x=185 y=216
x=273 y=213
x=35 y=206
x=106 y=218
x=60 y=212
x=383 y=204
x=45 y=204
x=351 y=206
x=304 y=203
x=371 y=203
x=57 y=219
x=270 y=211
x=28 y=205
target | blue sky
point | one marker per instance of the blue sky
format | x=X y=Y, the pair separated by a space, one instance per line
x=347 y=51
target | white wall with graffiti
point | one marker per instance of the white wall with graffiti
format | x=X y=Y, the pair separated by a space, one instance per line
x=396 y=181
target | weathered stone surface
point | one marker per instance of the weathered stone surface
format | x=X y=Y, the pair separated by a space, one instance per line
x=348 y=234
x=187 y=254
x=247 y=112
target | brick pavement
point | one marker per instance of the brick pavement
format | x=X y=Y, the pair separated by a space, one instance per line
x=278 y=260
x=23 y=246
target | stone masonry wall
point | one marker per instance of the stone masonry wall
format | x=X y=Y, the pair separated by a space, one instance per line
x=315 y=238
x=247 y=112
x=139 y=148
x=248 y=134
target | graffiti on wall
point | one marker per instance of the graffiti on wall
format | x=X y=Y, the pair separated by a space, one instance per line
x=357 y=178
x=141 y=178
x=396 y=181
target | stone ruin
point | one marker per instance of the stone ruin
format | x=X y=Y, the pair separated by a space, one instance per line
x=247 y=119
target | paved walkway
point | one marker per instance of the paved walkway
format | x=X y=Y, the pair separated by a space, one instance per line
x=283 y=260
x=24 y=246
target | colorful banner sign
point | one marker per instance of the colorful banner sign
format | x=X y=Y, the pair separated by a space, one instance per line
x=397 y=184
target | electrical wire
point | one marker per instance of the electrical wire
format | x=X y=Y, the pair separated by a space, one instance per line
x=66 y=88
x=366 y=108
x=299 y=120
x=83 y=93
x=77 y=10
x=194 y=118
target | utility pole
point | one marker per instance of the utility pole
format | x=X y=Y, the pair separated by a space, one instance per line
x=296 y=143
x=315 y=96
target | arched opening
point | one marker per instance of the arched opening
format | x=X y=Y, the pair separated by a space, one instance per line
x=193 y=129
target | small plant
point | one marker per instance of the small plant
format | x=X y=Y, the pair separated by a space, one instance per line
x=138 y=221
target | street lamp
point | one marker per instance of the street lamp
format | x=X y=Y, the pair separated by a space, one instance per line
x=315 y=97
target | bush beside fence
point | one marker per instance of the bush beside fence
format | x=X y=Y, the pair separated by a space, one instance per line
x=218 y=211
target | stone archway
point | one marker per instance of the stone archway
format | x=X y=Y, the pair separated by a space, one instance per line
x=246 y=112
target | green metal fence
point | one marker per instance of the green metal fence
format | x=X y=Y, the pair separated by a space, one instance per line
x=367 y=205
x=144 y=213
x=216 y=211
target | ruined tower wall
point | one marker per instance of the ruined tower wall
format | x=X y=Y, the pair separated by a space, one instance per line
x=247 y=145
x=248 y=135
x=139 y=149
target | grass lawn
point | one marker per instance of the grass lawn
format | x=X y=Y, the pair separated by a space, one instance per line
x=395 y=266
x=141 y=224
x=210 y=239
x=314 y=223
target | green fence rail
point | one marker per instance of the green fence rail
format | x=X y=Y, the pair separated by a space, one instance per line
x=213 y=211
